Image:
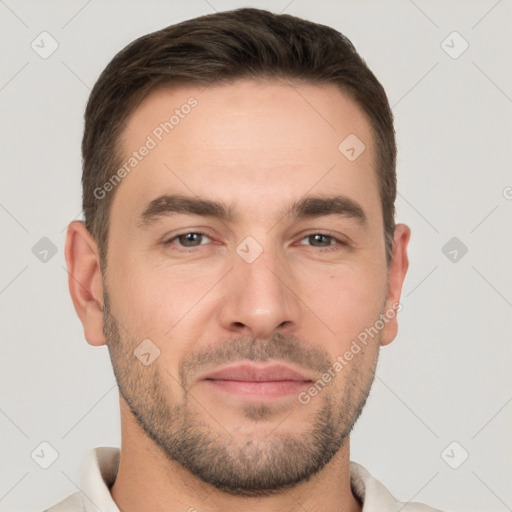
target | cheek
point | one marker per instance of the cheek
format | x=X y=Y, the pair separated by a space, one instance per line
x=162 y=302
x=346 y=300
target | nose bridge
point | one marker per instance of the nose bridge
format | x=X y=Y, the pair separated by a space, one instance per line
x=260 y=297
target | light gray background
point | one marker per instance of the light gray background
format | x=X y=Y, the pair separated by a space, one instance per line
x=447 y=375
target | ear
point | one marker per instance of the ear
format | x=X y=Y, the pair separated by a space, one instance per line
x=396 y=274
x=85 y=281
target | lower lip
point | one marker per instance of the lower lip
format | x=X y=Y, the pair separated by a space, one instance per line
x=261 y=390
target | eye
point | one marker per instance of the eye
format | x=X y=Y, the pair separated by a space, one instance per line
x=192 y=239
x=322 y=241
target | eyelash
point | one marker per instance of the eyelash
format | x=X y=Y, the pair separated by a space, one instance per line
x=333 y=247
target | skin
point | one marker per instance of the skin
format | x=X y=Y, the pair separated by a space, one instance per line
x=257 y=146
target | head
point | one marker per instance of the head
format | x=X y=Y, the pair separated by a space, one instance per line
x=238 y=191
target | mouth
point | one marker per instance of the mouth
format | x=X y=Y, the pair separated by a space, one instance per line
x=258 y=382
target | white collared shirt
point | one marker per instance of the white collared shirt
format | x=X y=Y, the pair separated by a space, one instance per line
x=100 y=471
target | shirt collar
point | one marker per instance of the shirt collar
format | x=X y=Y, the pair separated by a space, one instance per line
x=100 y=471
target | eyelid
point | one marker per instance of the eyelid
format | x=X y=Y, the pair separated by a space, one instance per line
x=335 y=247
x=168 y=239
x=340 y=241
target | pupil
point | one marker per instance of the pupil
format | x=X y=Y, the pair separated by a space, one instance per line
x=189 y=239
x=322 y=239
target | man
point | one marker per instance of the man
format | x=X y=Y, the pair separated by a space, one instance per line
x=240 y=259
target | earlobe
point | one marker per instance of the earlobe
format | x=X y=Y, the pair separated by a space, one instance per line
x=396 y=275
x=85 y=281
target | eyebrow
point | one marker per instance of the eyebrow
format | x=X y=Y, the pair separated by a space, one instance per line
x=308 y=207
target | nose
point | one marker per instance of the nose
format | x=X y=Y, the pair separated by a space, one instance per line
x=260 y=298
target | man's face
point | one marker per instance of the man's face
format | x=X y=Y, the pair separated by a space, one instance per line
x=248 y=310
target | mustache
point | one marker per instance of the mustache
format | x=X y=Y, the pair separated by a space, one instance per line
x=280 y=347
x=287 y=348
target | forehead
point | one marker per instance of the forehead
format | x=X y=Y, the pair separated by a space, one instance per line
x=246 y=141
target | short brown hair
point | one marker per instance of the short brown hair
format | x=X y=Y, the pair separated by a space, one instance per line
x=222 y=48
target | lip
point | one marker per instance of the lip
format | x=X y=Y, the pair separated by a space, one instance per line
x=250 y=381
x=249 y=372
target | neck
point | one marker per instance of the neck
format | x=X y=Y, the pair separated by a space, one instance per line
x=148 y=480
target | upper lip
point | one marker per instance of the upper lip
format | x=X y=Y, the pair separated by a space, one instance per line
x=255 y=373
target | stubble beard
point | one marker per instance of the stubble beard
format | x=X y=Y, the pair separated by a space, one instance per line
x=238 y=465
